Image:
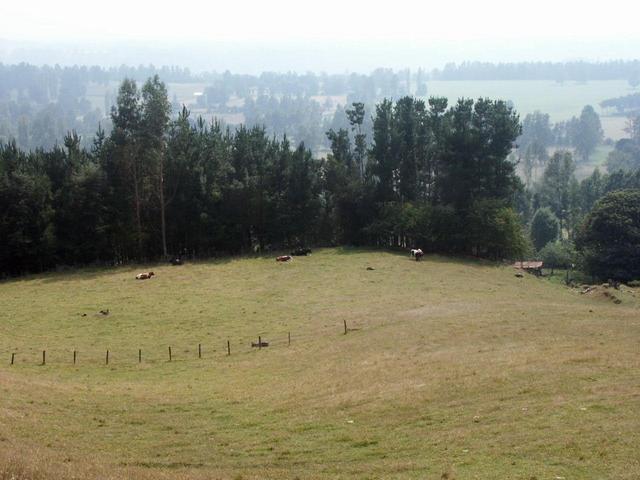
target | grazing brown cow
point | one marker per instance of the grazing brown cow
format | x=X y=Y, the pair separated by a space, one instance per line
x=144 y=275
x=283 y=258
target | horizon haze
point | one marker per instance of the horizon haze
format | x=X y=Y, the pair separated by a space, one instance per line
x=339 y=37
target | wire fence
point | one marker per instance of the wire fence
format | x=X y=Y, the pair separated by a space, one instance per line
x=176 y=352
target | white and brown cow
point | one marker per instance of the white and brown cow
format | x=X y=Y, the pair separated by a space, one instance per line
x=144 y=275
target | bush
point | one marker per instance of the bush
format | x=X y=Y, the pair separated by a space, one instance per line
x=495 y=230
x=558 y=255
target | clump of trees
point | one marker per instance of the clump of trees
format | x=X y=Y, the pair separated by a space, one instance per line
x=625 y=105
x=558 y=254
x=609 y=239
x=432 y=171
x=431 y=174
x=626 y=154
x=568 y=227
x=580 y=134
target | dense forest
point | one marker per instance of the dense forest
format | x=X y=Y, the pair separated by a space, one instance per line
x=156 y=186
x=417 y=173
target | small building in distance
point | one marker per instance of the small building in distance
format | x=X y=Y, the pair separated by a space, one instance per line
x=534 y=267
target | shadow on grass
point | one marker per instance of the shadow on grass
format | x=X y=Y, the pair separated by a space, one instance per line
x=431 y=257
x=96 y=272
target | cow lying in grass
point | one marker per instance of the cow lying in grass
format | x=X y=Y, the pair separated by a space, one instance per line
x=144 y=275
x=283 y=258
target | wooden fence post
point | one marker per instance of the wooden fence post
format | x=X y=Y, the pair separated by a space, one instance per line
x=74 y=357
x=199 y=350
x=44 y=357
x=169 y=353
x=139 y=355
x=259 y=342
x=289 y=338
x=345 y=327
x=228 y=347
x=13 y=356
x=106 y=358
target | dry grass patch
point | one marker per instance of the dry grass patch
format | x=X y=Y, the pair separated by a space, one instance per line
x=456 y=367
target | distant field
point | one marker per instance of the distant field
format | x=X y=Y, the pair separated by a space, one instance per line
x=560 y=101
x=452 y=369
x=182 y=92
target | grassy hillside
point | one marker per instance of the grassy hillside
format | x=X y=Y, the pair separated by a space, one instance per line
x=452 y=369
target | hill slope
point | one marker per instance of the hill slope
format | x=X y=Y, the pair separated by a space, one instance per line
x=450 y=367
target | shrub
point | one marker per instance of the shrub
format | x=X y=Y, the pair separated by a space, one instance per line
x=558 y=255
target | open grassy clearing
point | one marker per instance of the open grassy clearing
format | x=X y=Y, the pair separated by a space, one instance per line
x=453 y=366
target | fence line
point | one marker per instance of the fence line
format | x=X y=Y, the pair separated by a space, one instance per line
x=282 y=339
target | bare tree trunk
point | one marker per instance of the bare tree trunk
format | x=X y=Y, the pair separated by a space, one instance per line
x=136 y=193
x=163 y=224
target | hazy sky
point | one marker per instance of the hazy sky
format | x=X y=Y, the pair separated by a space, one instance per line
x=473 y=30
x=326 y=19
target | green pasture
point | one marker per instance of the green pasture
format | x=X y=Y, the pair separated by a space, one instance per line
x=451 y=368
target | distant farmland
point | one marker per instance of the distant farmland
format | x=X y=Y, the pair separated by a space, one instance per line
x=560 y=100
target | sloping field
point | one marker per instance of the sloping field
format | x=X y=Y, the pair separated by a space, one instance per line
x=450 y=369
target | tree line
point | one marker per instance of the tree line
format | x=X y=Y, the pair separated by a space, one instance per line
x=431 y=175
x=155 y=186
x=579 y=71
x=582 y=134
x=625 y=105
